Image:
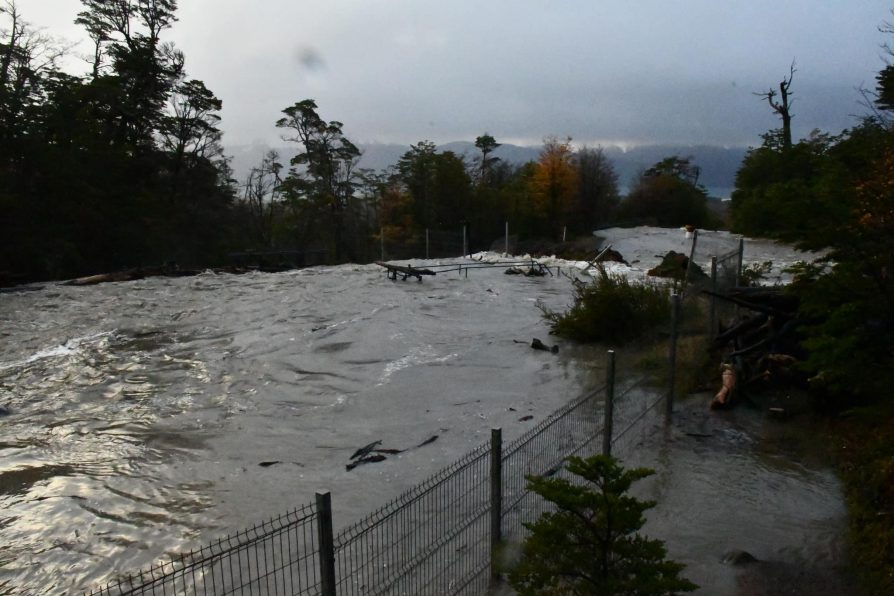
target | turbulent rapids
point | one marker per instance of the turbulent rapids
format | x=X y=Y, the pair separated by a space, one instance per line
x=140 y=412
x=144 y=418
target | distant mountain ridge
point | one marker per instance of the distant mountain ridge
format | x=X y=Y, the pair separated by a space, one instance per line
x=718 y=164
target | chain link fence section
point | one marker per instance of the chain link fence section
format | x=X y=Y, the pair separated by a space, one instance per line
x=433 y=539
x=279 y=556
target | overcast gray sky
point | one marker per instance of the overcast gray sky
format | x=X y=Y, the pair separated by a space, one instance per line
x=600 y=71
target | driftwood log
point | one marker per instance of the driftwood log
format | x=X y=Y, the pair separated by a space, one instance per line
x=372 y=453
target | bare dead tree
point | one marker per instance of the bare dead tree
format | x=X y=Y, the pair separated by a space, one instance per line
x=783 y=105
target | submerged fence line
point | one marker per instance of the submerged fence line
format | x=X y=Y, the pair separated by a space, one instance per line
x=439 y=537
x=443 y=535
x=278 y=556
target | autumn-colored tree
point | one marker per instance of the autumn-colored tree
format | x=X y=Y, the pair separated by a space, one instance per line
x=554 y=185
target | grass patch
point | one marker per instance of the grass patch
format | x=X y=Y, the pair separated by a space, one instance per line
x=610 y=309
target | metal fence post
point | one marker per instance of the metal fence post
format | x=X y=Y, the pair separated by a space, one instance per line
x=712 y=309
x=506 y=244
x=672 y=358
x=496 y=497
x=426 y=243
x=465 y=242
x=609 y=405
x=326 y=544
x=688 y=274
x=739 y=265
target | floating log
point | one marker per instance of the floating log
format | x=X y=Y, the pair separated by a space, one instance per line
x=372 y=453
x=367 y=459
x=366 y=450
x=404 y=271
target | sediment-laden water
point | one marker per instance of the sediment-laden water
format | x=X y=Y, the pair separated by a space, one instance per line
x=148 y=417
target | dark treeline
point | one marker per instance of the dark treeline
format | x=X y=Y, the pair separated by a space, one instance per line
x=119 y=168
x=123 y=167
x=836 y=192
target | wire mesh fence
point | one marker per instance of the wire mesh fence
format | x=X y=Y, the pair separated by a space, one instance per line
x=715 y=266
x=433 y=539
x=575 y=429
x=279 y=556
x=638 y=413
x=437 y=538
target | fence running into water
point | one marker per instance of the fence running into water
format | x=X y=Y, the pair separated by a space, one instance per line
x=439 y=537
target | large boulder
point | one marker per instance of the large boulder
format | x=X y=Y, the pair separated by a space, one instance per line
x=674 y=265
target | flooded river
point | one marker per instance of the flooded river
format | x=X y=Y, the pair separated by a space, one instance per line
x=144 y=418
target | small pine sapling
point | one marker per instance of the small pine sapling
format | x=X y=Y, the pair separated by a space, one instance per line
x=591 y=544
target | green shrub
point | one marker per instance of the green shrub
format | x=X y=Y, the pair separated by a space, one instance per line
x=866 y=460
x=591 y=544
x=611 y=309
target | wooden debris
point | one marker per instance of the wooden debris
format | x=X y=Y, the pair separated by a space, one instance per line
x=372 y=453
x=535 y=270
x=404 y=271
x=762 y=348
x=366 y=449
x=366 y=459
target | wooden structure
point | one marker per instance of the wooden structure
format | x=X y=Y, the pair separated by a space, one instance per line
x=404 y=271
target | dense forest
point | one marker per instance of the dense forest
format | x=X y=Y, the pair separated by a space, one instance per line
x=123 y=167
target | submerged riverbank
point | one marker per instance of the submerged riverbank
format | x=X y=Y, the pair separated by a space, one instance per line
x=151 y=416
x=739 y=481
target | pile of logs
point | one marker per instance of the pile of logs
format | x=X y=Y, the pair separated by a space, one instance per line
x=761 y=350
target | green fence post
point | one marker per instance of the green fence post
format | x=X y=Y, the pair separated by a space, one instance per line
x=496 y=497
x=672 y=358
x=609 y=404
x=712 y=311
x=326 y=544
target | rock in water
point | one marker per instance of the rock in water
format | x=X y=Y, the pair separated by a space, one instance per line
x=539 y=345
x=674 y=265
x=739 y=557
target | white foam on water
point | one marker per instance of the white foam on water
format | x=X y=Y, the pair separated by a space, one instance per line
x=69 y=348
